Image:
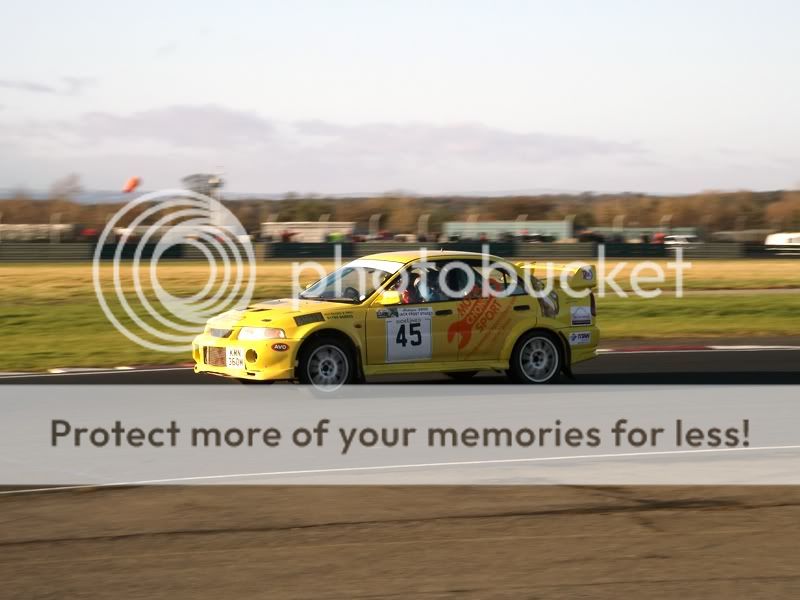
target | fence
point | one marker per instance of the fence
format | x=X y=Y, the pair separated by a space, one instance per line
x=27 y=252
x=18 y=252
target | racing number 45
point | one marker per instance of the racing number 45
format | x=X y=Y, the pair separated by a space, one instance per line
x=414 y=333
x=408 y=336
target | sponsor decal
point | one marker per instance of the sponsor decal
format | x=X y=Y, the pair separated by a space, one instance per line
x=587 y=273
x=580 y=338
x=280 y=347
x=310 y=318
x=386 y=313
x=581 y=315
x=340 y=315
x=488 y=340
x=475 y=315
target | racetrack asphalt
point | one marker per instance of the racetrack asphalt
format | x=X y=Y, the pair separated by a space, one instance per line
x=679 y=365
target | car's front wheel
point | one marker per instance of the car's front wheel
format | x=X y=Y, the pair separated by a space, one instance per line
x=536 y=358
x=326 y=364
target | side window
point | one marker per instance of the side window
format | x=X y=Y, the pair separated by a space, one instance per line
x=499 y=280
x=495 y=280
x=459 y=280
x=438 y=281
x=448 y=280
x=420 y=284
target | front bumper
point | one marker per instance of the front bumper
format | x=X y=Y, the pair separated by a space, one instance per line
x=262 y=362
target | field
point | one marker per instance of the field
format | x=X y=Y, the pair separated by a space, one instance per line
x=51 y=316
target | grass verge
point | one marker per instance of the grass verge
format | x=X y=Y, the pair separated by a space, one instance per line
x=50 y=316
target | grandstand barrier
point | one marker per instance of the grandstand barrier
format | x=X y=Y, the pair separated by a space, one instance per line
x=620 y=250
x=304 y=250
x=552 y=251
x=194 y=253
x=750 y=250
x=496 y=248
x=718 y=250
x=146 y=251
x=286 y=250
x=31 y=252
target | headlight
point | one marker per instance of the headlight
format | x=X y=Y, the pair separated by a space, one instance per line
x=260 y=333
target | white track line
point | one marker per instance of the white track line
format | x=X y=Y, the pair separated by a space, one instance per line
x=114 y=371
x=709 y=349
x=746 y=347
x=467 y=463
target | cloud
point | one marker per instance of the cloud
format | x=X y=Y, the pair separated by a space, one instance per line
x=313 y=155
x=27 y=86
x=76 y=85
x=167 y=49
x=468 y=141
x=200 y=126
x=71 y=86
x=215 y=126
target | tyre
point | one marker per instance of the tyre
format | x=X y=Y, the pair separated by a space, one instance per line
x=537 y=358
x=326 y=364
x=461 y=376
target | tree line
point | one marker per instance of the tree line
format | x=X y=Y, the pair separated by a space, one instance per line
x=711 y=211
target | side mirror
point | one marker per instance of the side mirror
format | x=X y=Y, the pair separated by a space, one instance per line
x=389 y=298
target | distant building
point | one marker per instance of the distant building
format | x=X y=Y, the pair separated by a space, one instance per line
x=496 y=230
x=37 y=232
x=637 y=234
x=783 y=239
x=307 y=231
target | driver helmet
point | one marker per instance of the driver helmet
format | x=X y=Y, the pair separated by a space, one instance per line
x=427 y=287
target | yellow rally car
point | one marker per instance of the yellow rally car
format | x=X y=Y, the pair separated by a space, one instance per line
x=412 y=312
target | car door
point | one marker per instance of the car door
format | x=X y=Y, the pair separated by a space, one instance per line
x=417 y=330
x=487 y=314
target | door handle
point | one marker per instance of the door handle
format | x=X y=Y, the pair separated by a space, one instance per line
x=441 y=313
x=522 y=307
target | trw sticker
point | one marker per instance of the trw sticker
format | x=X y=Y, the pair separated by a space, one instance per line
x=580 y=338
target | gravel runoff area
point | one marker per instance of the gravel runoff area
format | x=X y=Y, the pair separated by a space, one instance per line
x=401 y=542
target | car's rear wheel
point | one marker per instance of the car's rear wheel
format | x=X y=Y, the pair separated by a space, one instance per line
x=326 y=364
x=537 y=358
x=460 y=376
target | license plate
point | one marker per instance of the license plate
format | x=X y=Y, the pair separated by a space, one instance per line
x=234 y=358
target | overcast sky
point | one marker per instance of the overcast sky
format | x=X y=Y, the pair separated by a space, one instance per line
x=447 y=96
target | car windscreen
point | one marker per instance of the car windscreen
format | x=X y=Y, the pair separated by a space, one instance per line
x=354 y=282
